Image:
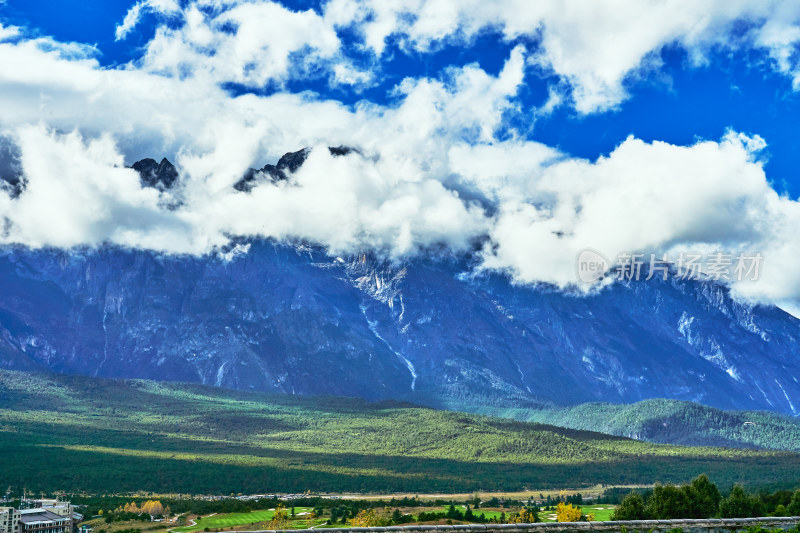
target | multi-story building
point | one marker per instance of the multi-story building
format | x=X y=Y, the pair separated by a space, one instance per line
x=9 y=518
x=43 y=521
x=56 y=506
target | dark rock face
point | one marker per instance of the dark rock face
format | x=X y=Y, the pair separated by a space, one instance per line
x=11 y=178
x=13 y=185
x=252 y=176
x=341 y=150
x=293 y=319
x=288 y=162
x=293 y=160
x=161 y=176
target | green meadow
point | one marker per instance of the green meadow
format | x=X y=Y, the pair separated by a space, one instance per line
x=229 y=520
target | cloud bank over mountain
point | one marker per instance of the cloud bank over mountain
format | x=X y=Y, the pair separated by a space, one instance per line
x=442 y=160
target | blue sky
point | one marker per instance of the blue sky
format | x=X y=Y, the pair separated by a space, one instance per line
x=740 y=90
x=642 y=125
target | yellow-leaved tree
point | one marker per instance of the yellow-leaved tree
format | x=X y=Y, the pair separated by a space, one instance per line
x=310 y=516
x=280 y=519
x=566 y=512
x=525 y=516
x=370 y=518
x=153 y=508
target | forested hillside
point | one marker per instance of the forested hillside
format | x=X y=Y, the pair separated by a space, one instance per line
x=673 y=422
x=96 y=435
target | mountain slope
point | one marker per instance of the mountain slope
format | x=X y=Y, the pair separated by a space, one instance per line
x=87 y=434
x=272 y=317
x=672 y=422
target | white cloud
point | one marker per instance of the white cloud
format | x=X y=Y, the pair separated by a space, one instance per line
x=80 y=194
x=392 y=199
x=248 y=43
x=345 y=74
x=595 y=46
x=134 y=14
x=8 y=32
x=131 y=20
x=641 y=198
x=780 y=35
x=348 y=204
x=426 y=161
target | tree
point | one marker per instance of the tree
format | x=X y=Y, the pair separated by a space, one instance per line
x=310 y=516
x=793 y=509
x=566 y=512
x=667 y=502
x=739 y=504
x=453 y=513
x=152 y=507
x=280 y=518
x=704 y=497
x=370 y=518
x=525 y=516
x=631 y=508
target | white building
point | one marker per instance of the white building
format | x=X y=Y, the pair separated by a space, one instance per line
x=49 y=516
x=9 y=518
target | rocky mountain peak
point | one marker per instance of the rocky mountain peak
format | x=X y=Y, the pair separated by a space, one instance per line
x=161 y=176
x=289 y=162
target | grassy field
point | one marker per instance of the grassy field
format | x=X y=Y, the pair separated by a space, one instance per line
x=230 y=520
x=99 y=436
x=256 y=518
x=601 y=513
